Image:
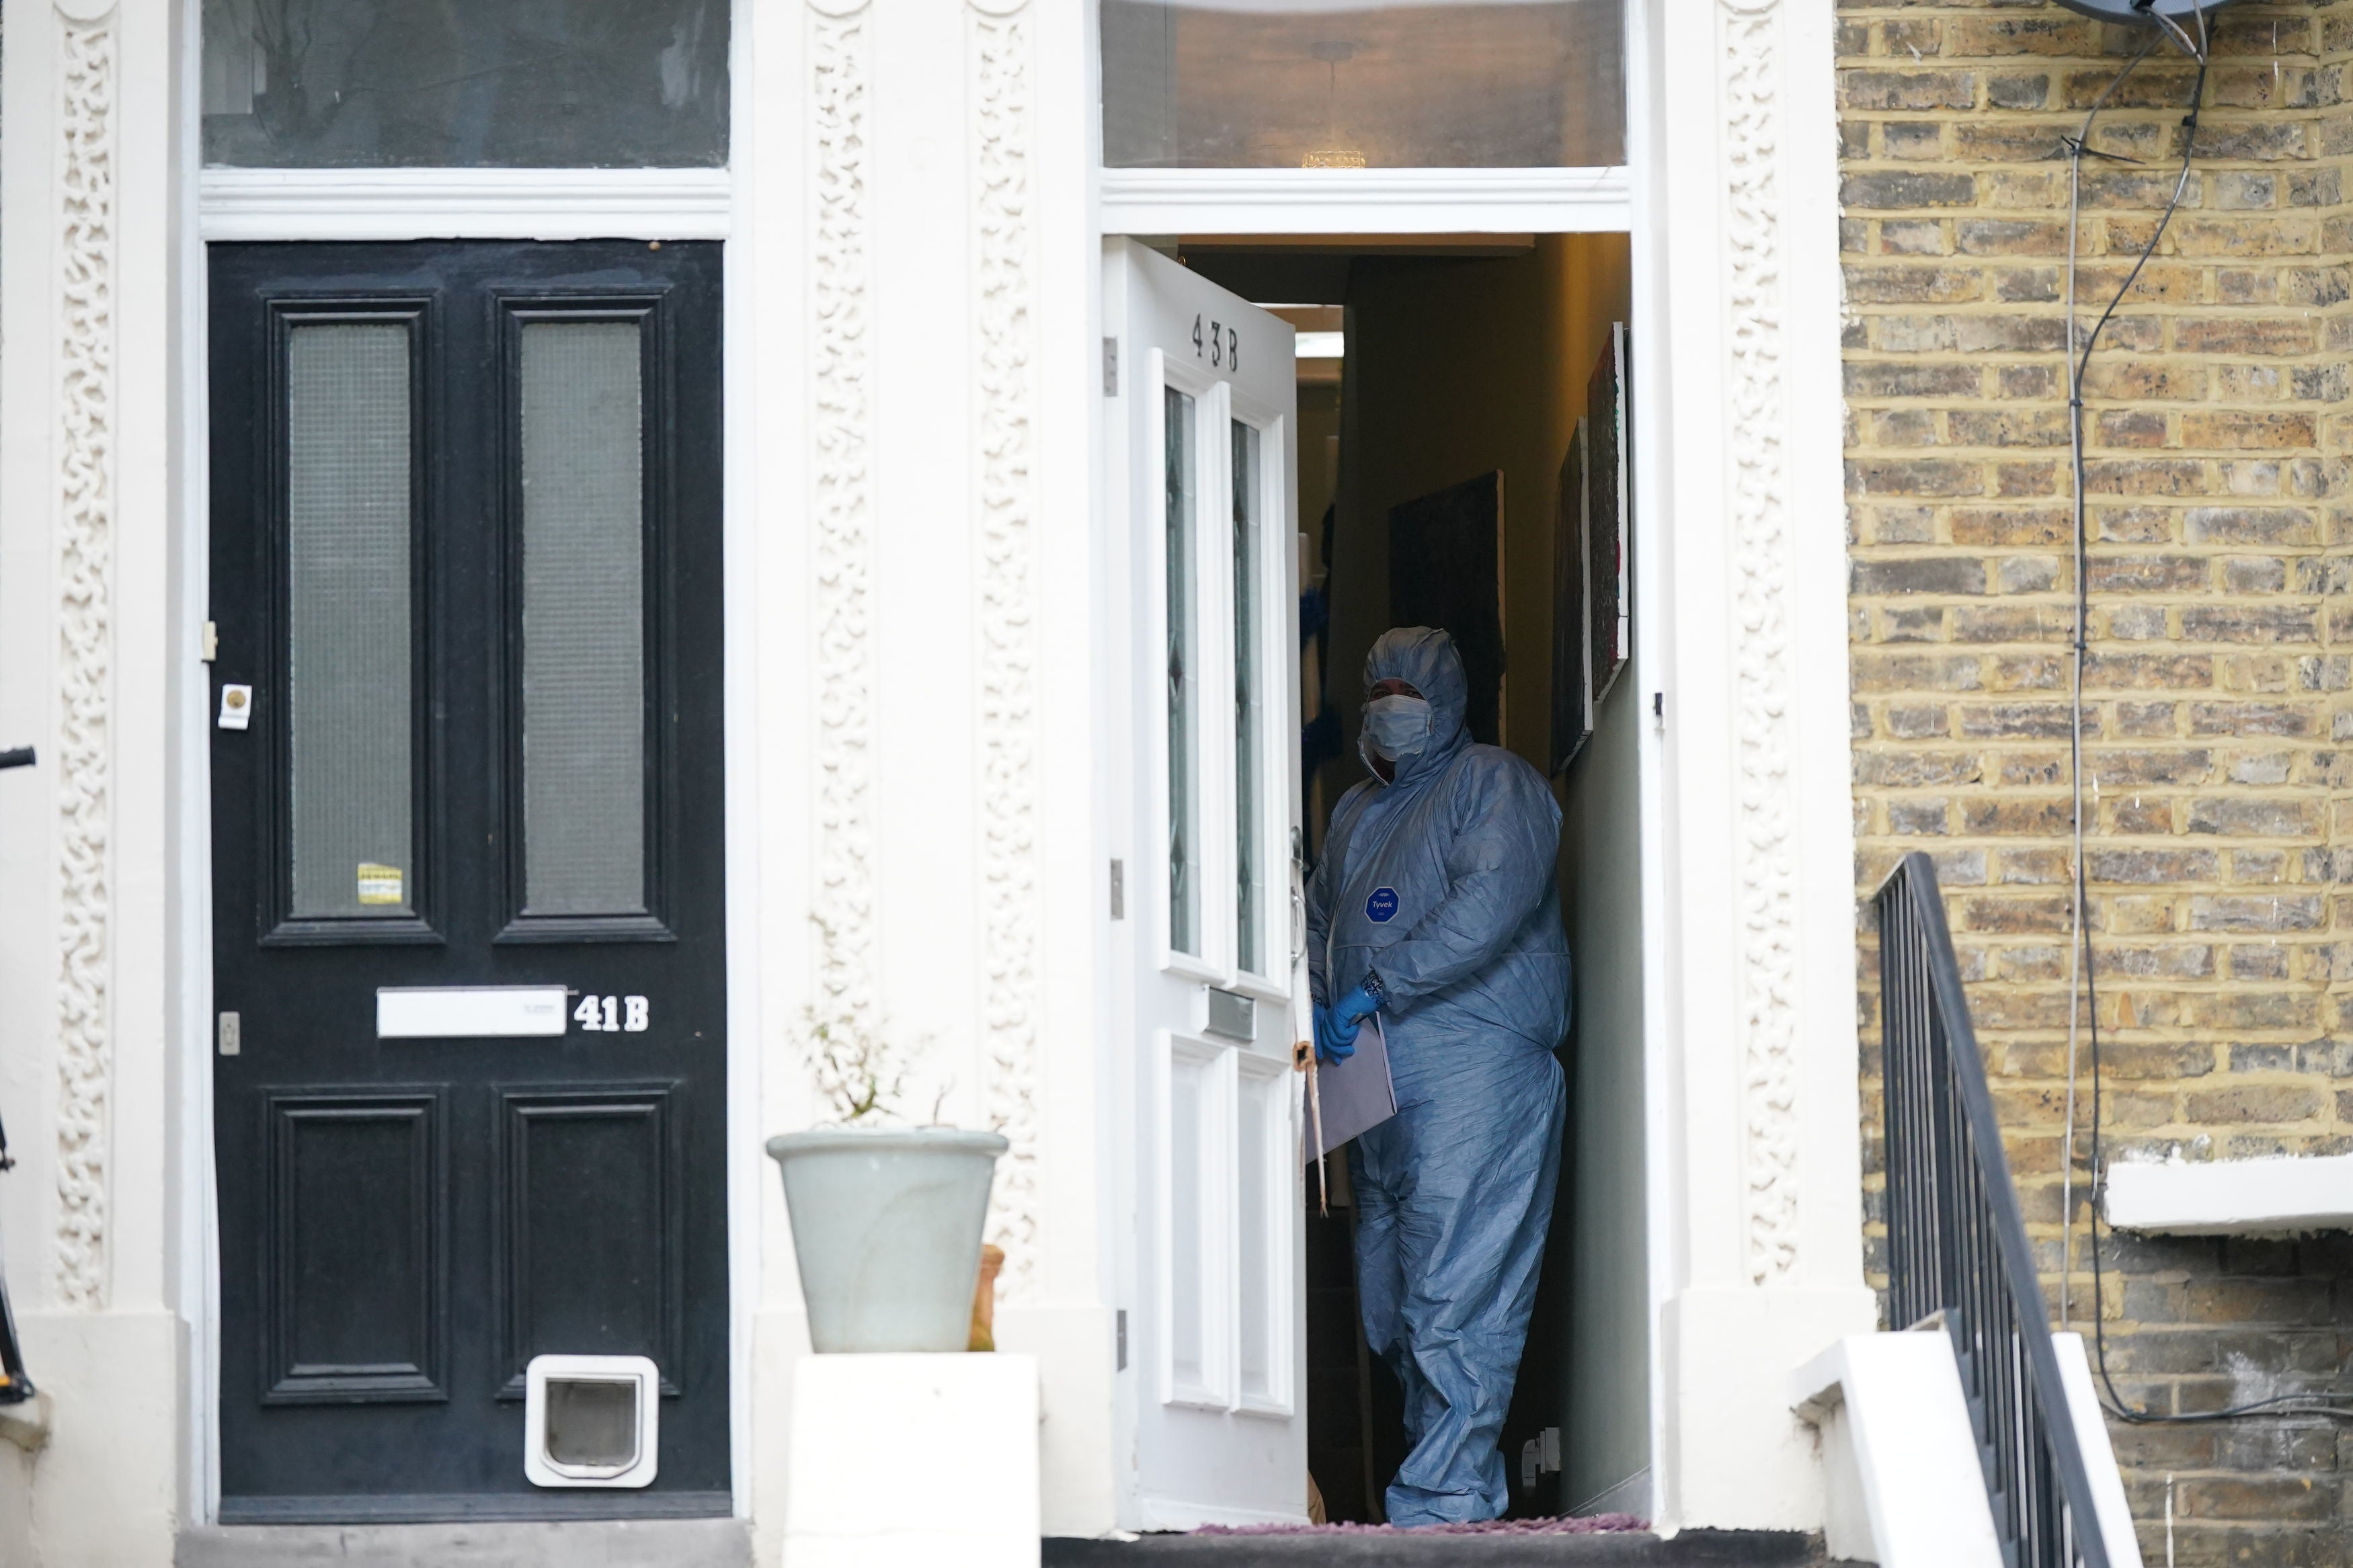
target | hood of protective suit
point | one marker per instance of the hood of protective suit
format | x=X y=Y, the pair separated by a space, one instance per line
x=1424 y=659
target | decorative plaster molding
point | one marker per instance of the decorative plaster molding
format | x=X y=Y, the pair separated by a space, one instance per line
x=85 y=281
x=843 y=504
x=463 y=204
x=998 y=61
x=1751 y=50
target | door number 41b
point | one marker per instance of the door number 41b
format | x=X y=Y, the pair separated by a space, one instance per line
x=612 y=1015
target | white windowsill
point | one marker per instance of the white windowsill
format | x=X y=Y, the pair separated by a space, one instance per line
x=1363 y=201
x=463 y=204
x=2232 y=1198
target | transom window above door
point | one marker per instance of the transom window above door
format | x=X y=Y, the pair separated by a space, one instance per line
x=1353 y=84
x=606 y=84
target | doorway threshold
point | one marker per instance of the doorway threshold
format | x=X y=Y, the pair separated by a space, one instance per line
x=609 y=1544
x=1439 y=1549
x=477 y=1507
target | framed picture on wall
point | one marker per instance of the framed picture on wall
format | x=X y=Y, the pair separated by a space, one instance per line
x=1446 y=567
x=1608 y=513
x=1572 y=694
x=1592 y=601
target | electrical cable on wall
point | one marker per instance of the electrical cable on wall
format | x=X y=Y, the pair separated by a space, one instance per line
x=2186 y=25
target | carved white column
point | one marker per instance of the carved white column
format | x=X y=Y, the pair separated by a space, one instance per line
x=1751 y=43
x=840 y=419
x=997 y=61
x=1757 y=1227
x=85 y=219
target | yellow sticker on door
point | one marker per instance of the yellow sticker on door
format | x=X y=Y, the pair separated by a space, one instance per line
x=379 y=884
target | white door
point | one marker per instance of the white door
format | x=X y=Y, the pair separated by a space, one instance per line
x=1201 y=440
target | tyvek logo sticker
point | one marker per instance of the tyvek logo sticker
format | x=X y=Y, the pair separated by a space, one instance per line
x=1382 y=907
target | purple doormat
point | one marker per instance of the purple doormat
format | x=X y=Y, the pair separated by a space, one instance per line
x=1596 y=1524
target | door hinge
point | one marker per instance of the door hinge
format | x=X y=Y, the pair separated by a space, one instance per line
x=1119 y=889
x=1111 y=367
x=211 y=646
x=1123 y=1341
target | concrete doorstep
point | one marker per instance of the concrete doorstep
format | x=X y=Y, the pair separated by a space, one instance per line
x=584 y=1543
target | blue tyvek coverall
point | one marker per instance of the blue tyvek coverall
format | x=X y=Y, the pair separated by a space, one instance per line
x=1441 y=882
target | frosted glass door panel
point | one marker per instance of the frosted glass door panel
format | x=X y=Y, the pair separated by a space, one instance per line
x=486 y=83
x=1250 y=763
x=349 y=658
x=1180 y=463
x=1290 y=84
x=584 y=715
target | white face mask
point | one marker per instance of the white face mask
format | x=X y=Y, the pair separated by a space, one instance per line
x=1397 y=726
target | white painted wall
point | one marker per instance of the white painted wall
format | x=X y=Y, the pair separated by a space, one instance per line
x=914 y=374
x=877 y=131
x=1751 y=1080
x=1606 y=1435
x=91 y=1228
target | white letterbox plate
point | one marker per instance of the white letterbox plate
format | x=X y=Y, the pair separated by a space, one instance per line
x=468 y=1012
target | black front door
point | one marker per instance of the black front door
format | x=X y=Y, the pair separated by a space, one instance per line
x=469 y=923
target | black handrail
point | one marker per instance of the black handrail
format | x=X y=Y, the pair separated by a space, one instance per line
x=1957 y=1243
x=14 y=1387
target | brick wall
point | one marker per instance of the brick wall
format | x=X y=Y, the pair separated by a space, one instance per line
x=2219 y=671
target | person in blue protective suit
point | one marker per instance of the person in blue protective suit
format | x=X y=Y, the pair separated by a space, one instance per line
x=1434 y=906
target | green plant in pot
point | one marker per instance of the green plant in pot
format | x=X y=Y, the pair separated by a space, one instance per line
x=887 y=1217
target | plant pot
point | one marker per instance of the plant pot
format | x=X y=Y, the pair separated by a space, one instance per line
x=887 y=1225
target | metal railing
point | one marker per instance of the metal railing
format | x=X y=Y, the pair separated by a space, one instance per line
x=14 y=1387
x=1956 y=1245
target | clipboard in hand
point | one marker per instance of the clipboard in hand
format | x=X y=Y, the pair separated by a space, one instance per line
x=1355 y=1095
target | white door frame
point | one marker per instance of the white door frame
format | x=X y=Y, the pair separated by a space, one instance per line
x=1753 y=1147
x=392 y=205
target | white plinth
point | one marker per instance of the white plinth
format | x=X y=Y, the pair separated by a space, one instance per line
x=1903 y=1485
x=2227 y=1197
x=910 y=1462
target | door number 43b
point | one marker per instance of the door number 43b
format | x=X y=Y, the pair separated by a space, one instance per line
x=612 y=1015
x=1222 y=348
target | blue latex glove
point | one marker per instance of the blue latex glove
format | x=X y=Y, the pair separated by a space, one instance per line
x=1337 y=1026
x=1329 y=1049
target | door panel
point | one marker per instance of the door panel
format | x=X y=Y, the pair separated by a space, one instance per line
x=356 y=1295
x=1203 y=440
x=588 y=1242
x=466 y=551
